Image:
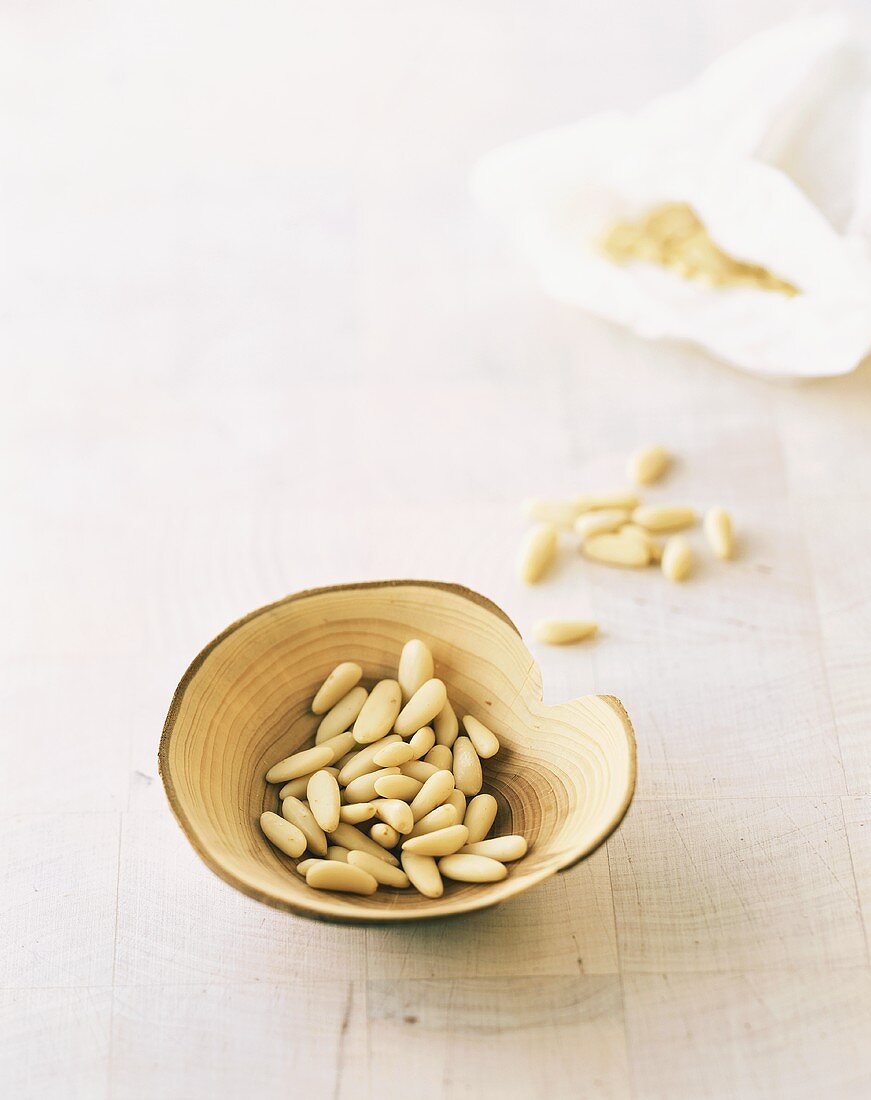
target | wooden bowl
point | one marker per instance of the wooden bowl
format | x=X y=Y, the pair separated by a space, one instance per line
x=563 y=779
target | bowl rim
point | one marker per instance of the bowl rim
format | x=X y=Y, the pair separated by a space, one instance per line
x=470 y=904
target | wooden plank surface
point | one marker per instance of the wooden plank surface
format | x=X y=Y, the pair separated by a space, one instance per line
x=254 y=338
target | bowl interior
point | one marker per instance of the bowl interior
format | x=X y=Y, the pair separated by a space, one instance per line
x=563 y=777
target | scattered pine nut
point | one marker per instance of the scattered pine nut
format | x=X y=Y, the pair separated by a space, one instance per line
x=677 y=558
x=718 y=531
x=338 y=853
x=619 y=499
x=537 y=554
x=600 y=523
x=561 y=513
x=564 y=631
x=623 y=550
x=458 y=800
x=336 y=686
x=648 y=464
x=636 y=531
x=662 y=517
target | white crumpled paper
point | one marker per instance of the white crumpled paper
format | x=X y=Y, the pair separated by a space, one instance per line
x=772 y=148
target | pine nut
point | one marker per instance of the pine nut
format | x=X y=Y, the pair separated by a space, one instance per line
x=442 y=817
x=648 y=464
x=504 y=848
x=379 y=870
x=338 y=853
x=336 y=686
x=484 y=740
x=467 y=767
x=342 y=716
x=433 y=793
x=623 y=550
x=297 y=787
x=283 y=834
x=391 y=756
x=458 y=800
x=304 y=865
x=340 y=745
x=422 y=742
x=441 y=842
x=480 y=815
x=537 y=553
x=677 y=558
x=619 y=499
x=423 y=874
x=355 y=841
x=378 y=713
x=397 y=786
x=415 y=667
x=561 y=513
x=363 y=761
x=357 y=813
x=364 y=789
x=635 y=530
x=718 y=530
x=465 y=868
x=300 y=763
x=419 y=770
x=564 y=631
x=327 y=875
x=446 y=726
x=395 y=812
x=421 y=708
x=658 y=517
x=600 y=523
x=298 y=814
x=384 y=834
x=324 y=800
x=441 y=757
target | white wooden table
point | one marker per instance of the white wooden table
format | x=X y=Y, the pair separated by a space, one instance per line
x=254 y=338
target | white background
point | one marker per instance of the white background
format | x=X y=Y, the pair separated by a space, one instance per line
x=254 y=337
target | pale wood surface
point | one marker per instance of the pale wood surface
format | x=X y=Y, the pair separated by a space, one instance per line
x=255 y=338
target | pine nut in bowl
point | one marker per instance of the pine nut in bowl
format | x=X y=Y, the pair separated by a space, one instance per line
x=559 y=784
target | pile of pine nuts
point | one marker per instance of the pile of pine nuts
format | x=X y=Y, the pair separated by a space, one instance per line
x=617 y=529
x=392 y=760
